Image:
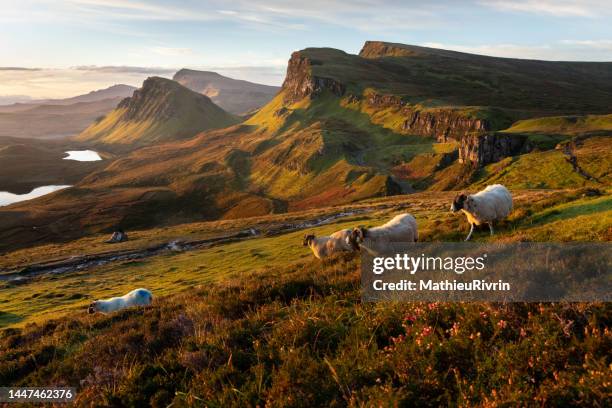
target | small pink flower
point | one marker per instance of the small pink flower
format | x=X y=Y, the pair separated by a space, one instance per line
x=502 y=324
x=427 y=330
x=410 y=318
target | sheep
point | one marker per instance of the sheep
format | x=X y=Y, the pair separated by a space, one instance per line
x=137 y=297
x=402 y=228
x=323 y=247
x=491 y=204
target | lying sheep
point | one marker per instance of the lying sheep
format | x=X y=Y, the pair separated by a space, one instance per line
x=402 y=228
x=323 y=247
x=137 y=297
x=491 y=204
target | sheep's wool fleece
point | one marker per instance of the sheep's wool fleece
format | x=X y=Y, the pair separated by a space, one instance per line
x=492 y=203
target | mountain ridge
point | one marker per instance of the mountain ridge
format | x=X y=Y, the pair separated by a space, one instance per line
x=237 y=96
x=160 y=111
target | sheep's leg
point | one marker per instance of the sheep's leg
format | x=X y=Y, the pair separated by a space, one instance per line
x=491 y=227
x=471 y=231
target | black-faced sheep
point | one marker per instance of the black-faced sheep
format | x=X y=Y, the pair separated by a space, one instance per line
x=323 y=247
x=137 y=297
x=491 y=204
x=402 y=228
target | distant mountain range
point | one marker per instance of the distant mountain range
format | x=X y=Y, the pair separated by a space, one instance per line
x=235 y=96
x=59 y=118
x=115 y=91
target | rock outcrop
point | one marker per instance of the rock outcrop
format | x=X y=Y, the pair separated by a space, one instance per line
x=161 y=110
x=442 y=124
x=300 y=81
x=481 y=149
x=379 y=49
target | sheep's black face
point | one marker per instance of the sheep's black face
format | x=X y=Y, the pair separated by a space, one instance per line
x=356 y=237
x=458 y=202
x=92 y=308
x=308 y=239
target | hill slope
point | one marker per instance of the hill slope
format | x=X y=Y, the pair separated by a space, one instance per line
x=261 y=322
x=162 y=110
x=344 y=128
x=233 y=95
x=114 y=91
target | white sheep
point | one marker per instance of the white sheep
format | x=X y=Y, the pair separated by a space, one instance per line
x=323 y=247
x=402 y=228
x=137 y=297
x=491 y=204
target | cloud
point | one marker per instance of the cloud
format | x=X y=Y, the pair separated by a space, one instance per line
x=566 y=50
x=597 y=44
x=126 y=69
x=18 y=69
x=50 y=83
x=360 y=15
x=172 y=51
x=558 y=8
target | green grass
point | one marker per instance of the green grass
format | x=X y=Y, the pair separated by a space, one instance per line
x=262 y=322
x=563 y=125
x=51 y=296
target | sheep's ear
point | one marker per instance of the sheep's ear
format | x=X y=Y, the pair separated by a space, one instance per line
x=307 y=239
x=359 y=233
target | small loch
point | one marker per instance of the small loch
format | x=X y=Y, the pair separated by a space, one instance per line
x=82 y=155
x=7 y=198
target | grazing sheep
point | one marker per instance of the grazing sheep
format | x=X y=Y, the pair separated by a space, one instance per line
x=137 y=297
x=325 y=246
x=491 y=204
x=402 y=228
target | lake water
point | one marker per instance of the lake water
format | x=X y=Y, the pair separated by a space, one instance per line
x=7 y=198
x=82 y=155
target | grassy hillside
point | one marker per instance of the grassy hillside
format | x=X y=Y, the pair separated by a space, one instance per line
x=261 y=322
x=343 y=128
x=563 y=125
x=539 y=215
x=440 y=77
x=29 y=163
x=552 y=169
x=162 y=110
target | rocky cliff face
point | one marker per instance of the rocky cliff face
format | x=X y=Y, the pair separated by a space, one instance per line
x=379 y=49
x=441 y=124
x=481 y=149
x=300 y=81
x=152 y=100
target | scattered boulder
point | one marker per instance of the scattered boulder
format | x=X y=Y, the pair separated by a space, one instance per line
x=118 y=236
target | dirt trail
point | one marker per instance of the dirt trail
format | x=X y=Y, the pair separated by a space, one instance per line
x=78 y=263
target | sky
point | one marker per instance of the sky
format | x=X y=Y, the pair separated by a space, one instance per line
x=62 y=48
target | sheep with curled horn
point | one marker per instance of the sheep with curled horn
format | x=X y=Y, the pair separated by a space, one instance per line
x=400 y=229
x=494 y=203
x=325 y=246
